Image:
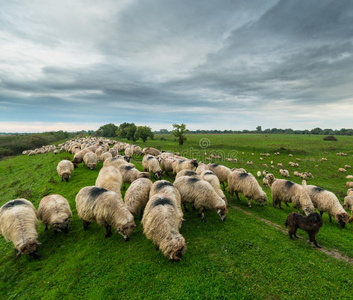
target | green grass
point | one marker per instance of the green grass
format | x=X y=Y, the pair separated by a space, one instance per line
x=241 y=258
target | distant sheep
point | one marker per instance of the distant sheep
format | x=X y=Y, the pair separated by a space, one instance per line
x=350 y=192
x=246 y=183
x=221 y=172
x=110 y=179
x=90 y=160
x=161 y=221
x=284 y=173
x=201 y=194
x=105 y=155
x=18 y=224
x=151 y=164
x=258 y=174
x=287 y=191
x=106 y=208
x=137 y=195
x=129 y=151
x=78 y=157
x=130 y=173
x=327 y=202
x=349 y=184
x=54 y=211
x=342 y=170
x=348 y=167
x=64 y=169
x=151 y=151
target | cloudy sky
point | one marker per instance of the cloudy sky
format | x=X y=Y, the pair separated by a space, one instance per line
x=212 y=64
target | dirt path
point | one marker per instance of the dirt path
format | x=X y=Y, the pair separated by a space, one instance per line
x=328 y=251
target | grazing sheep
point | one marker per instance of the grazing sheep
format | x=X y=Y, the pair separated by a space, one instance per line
x=130 y=173
x=221 y=172
x=167 y=165
x=18 y=224
x=326 y=201
x=286 y=191
x=245 y=183
x=151 y=164
x=181 y=164
x=161 y=222
x=129 y=151
x=113 y=152
x=265 y=180
x=342 y=170
x=90 y=160
x=137 y=195
x=311 y=224
x=78 y=157
x=110 y=179
x=348 y=167
x=151 y=151
x=349 y=184
x=213 y=180
x=349 y=176
x=105 y=155
x=106 y=208
x=201 y=167
x=258 y=174
x=284 y=173
x=350 y=192
x=348 y=203
x=187 y=173
x=116 y=161
x=54 y=211
x=64 y=169
x=201 y=194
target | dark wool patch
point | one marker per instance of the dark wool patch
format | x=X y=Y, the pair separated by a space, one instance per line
x=13 y=203
x=318 y=189
x=190 y=173
x=160 y=185
x=192 y=180
x=128 y=168
x=181 y=161
x=149 y=157
x=162 y=201
x=96 y=192
x=314 y=218
x=288 y=184
x=243 y=175
x=208 y=173
x=214 y=165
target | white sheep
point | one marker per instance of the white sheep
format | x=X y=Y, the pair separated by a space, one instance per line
x=246 y=183
x=160 y=222
x=106 y=208
x=64 y=169
x=130 y=173
x=258 y=174
x=201 y=194
x=116 y=161
x=151 y=164
x=110 y=179
x=18 y=224
x=201 y=167
x=167 y=165
x=349 y=184
x=286 y=191
x=213 y=180
x=54 y=211
x=90 y=160
x=182 y=164
x=284 y=173
x=221 y=172
x=78 y=158
x=137 y=195
x=342 y=170
x=129 y=151
x=327 y=202
x=151 y=151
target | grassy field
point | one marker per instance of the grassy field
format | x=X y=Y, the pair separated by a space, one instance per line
x=241 y=258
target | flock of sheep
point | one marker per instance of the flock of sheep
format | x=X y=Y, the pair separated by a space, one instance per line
x=158 y=204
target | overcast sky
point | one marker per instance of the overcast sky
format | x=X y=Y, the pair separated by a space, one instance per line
x=236 y=64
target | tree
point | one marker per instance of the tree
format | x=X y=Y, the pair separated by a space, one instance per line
x=259 y=129
x=179 y=131
x=130 y=132
x=107 y=130
x=144 y=132
x=126 y=130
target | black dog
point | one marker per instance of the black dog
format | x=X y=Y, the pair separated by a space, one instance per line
x=311 y=224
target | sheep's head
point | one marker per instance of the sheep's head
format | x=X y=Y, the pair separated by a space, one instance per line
x=159 y=174
x=178 y=249
x=262 y=199
x=222 y=212
x=62 y=224
x=342 y=219
x=270 y=179
x=126 y=230
x=66 y=176
x=92 y=166
x=30 y=248
x=127 y=158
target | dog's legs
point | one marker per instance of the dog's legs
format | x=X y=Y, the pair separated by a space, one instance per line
x=280 y=205
x=313 y=239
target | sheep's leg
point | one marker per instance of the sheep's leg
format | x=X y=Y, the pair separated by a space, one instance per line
x=62 y=179
x=157 y=247
x=288 y=205
x=193 y=207
x=46 y=227
x=249 y=203
x=201 y=212
x=280 y=205
x=185 y=208
x=329 y=217
x=108 y=231
x=237 y=194
x=224 y=187
x=141 y=214
x=85 y=224
x=18 y=253
x=321 y=213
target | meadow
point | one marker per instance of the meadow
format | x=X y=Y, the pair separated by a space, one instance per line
x=249 y=256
